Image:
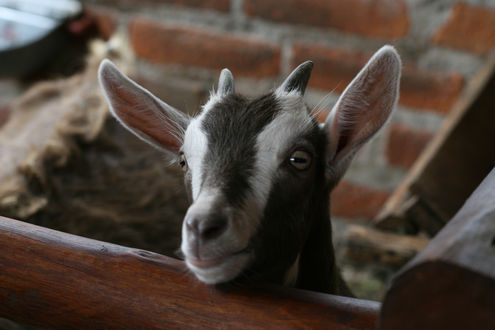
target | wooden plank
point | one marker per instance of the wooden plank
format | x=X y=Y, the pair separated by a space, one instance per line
x=57 y=280
x=370 y=245
x=460 y=155
x=451 y=283
x=465 y=157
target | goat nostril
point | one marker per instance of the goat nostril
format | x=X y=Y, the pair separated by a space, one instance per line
x=206 y=227
x=212 y=232
x=213 y=227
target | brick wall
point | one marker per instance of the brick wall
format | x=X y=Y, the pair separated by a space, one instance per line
x=182 y=44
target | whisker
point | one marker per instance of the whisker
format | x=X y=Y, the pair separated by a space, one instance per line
x=323 y=103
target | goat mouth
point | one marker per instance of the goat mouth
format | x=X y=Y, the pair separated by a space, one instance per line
x=221 y=269
x=209 y=263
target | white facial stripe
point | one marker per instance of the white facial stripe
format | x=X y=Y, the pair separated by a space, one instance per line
x=206 y=201
x=196 y=144
x=275 y=140
x=194 y=148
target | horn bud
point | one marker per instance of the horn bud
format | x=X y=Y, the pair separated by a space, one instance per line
x=226 y=82
x=298 y=79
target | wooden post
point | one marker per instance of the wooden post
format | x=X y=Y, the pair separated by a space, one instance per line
x=451 y=283
x=57 y=280
x=452 y=165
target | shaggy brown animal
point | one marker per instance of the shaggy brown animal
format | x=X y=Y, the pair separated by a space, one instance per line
x=66 y=165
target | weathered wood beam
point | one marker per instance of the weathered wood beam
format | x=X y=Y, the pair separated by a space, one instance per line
x=57 y=280
x=452 y=165
x=384 y=248
x=451 y=283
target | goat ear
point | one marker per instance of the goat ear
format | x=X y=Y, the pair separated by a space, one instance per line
x=362 y=109
x=298 y=79
x=141 y=112
x=226 y=83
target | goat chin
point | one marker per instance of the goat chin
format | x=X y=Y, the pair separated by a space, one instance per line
x=219 y=270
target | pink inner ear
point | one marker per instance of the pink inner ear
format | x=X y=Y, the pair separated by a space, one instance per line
x=370 y=108
x=142 y=112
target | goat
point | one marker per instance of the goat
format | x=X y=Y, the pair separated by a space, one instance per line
x=259 y=171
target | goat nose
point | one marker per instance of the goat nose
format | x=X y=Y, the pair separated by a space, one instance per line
x=207 y=227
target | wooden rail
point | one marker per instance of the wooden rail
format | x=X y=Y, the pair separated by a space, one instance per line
x=451 y=283
x=57 y=280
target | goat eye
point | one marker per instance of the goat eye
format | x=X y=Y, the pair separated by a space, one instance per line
x=183 y=162
x=301 y=160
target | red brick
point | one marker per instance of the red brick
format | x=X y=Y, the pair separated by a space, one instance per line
x=105 y=22
x=173 y=44
x=351 y=200
x=405 y=145
x=430 y=90
x=335 y=68
x=377 y=18
x=470 y=28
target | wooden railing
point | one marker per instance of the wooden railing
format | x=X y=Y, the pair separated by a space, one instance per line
x=57 y=280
